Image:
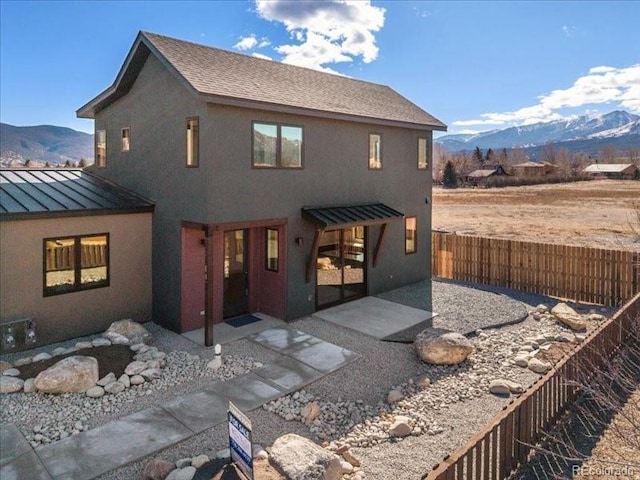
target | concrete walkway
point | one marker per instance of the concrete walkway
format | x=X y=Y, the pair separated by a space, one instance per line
x=302 y=359
x=379 y=318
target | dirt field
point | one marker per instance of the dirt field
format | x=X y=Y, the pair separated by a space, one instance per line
x=599 y=213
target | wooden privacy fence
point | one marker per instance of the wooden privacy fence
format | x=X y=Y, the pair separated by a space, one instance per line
x=496 y=451
x=583 y=274
x=61 y=257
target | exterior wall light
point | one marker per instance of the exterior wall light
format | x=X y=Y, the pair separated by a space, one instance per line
x=299 y=241
x=30 y=334
x=8 y=340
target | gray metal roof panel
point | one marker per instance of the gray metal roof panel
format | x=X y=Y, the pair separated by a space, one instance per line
x=347 y=215
x=54 y=192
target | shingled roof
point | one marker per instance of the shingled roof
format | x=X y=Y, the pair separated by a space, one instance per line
x=220 y=76
x=52 y=193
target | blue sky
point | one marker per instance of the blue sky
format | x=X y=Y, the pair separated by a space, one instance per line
x=474 y=65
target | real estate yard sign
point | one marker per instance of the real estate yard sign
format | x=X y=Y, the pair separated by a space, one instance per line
x=240 y=443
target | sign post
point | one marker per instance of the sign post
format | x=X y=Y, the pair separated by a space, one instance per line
x=240 y=443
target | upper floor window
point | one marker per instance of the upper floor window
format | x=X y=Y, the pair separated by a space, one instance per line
x=126 y=139
x=75 y=263
x=193 y=142
x=277 y=145
x=375 y=151
x=101 y=148
x=423 y=153
x=410 y=235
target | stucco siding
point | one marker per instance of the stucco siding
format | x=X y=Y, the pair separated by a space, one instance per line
x=226 y=188
x=69 y=315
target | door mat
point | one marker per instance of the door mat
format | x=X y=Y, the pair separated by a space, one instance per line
x=242 y=321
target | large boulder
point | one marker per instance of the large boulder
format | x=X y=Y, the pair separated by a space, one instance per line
x=301 y=459
x=567 y=316
x=127 y=332
x=70 y=375
x=449 y=348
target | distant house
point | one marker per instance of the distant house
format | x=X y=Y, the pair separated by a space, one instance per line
x=621 y=171
x=76 y=255
x=533 y=169
x=480 y=178
x=274 y=185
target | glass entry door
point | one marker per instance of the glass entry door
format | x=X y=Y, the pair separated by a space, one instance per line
x=236 y=273
x=341 y=266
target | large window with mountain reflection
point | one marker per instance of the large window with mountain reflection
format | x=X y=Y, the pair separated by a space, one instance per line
x=277 y=146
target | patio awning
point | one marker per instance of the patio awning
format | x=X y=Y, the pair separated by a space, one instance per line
x=351 y=215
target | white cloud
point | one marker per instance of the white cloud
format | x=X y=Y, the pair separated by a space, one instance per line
x=259 y=55
x=325 y=32
x=246 y=43
x=569 y=31
x=602 y=85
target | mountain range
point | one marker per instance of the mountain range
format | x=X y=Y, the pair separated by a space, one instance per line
x=584 y=134
x=42 y=144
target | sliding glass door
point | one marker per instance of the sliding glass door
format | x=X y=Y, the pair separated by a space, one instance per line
x=341 y=266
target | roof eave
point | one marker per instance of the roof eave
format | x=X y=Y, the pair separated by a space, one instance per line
x=280 y=108
x=16 y=216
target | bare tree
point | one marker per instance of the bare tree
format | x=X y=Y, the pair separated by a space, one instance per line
x=607 y=154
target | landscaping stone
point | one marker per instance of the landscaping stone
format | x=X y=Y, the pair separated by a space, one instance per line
x=569 y=317
x=151 y=373
x=106 y=380
x=502 y=386
x=133 y=332
x=59 y=351
x=42 y=356
x=29 y=386
x=199 y=461
x=23 y=361
x=124 y=380
x=183 y=462
x=82 y=345
x=114 y=388
x=69 y=375
x=95 y=392
x=11 y=372
x=394 y=396
x=400 y=427
x=10 y=384
x=538 y=366
x=137 y=379
x=449 y=348
x=300 y=458
x=100 y=342
x=4 y=366
x=157 y=469
x=135 y=368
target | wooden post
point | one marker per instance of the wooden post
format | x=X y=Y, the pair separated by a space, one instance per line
x=376 y=250
x=208 y=287
x=313 y=254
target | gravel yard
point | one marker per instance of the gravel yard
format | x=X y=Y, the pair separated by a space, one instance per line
x=353 y=400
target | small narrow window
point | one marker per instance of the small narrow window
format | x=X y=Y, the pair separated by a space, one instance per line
x=272 y=250
x=75 y=263
x=101 y=148
x=423 y=154
x=126 y=139
x=375 y=151
x=193 y=142
x=410 y=236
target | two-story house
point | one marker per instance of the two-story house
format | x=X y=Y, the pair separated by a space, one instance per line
x=277 y=189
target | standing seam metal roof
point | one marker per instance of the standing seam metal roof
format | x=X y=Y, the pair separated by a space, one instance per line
x=369 y=214
x=57 y=192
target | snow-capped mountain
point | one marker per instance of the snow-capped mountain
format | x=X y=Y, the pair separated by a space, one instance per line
x=586 y=127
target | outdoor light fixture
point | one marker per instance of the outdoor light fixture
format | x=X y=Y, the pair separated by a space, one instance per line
x=299 y=241
x=30 y=334
x=9 y=339
x=217 y=349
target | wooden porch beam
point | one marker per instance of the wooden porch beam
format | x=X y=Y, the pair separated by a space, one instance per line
x=376 y=250
x=313 y=255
